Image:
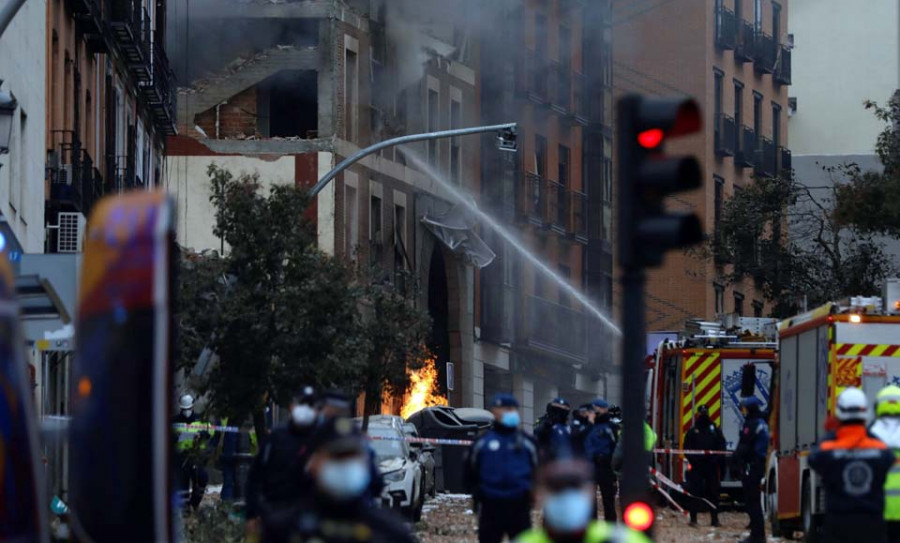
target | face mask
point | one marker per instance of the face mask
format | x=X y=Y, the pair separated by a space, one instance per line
x=510 y=419
x=344 y=480
x=187 y=412
x=303 y=415
x=567 y=511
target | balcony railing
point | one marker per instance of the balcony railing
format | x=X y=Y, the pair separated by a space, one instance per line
x=129 y=23
x=784 y=163
x=783 y=66
x=535 y=204
x=160 y=91
x=725 y=135
x=766 y=158
x=76 y=184
x=556 y=329
x=726 y=30
x=745 y=153
x=743 y=49
x=579 y=216
x=764 y=53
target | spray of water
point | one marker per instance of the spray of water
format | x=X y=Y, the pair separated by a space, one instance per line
x=511 y=238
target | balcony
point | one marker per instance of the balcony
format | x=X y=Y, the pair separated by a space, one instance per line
x=783 y=66
x=558 y=204
x=725 y=136
x=784 y=163
x=766 y=158
x=743 y=49
x=76 y=184
x=129 y=24
x=562 y=93
x=160 y=91
x=578 y=229
x=726 y=30
x=745 y=153
x=579 y=113
x=535 y=205
x=764 y=53
x=556 y=329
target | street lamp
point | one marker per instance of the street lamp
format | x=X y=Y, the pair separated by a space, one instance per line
x=7 y=112
x=507 y=140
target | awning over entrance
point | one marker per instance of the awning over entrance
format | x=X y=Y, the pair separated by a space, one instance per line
x=456 y=229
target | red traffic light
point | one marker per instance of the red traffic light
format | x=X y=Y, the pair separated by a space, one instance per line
x=650 y=139
x=638 y=516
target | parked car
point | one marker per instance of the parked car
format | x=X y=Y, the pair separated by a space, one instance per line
x=399 y=466
x=426 y=458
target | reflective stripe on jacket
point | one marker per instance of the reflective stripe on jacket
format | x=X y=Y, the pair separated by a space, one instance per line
x=887 y=429
x=597 y=532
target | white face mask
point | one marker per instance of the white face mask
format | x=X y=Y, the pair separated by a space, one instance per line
x=303 y=415
x=568 y=511
x=344 y=480
x=187 y=412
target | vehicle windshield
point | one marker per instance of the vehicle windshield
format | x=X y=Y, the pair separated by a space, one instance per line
x=387 y=448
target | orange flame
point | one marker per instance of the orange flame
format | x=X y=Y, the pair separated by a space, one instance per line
x=423 y=390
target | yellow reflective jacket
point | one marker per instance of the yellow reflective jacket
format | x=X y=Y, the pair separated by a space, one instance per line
x=597 y=532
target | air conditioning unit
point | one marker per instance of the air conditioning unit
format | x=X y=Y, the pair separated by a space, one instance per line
x=70 y=232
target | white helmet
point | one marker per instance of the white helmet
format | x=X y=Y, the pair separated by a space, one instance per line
x=852 y=405
x=186 y=402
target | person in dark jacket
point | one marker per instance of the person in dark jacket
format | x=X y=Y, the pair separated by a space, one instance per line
x=703 y=473
x=277 y=477
x=336 y=508
x=853 y=466
x=599 y=448
x=750 y=463
x=579 y=427
x=501 y=470
x=191 y=450
x=552 y=430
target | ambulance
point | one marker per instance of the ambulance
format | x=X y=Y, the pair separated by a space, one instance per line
x=822 y=352
x=706 y=366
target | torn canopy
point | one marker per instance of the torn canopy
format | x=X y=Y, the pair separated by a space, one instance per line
x=456 y=229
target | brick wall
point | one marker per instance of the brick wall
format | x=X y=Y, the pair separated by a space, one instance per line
x=237 y=118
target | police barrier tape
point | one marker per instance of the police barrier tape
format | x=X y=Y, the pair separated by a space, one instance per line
x=668 y=498
x=690 y=451
x=675 y=486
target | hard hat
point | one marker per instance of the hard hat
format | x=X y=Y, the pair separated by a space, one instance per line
x=852 y=405
x=887 y=402
x=186 y=402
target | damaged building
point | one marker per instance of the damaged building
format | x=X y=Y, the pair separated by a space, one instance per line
x=289 y=89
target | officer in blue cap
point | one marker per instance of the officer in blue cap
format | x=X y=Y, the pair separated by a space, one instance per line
x=552 y=431
x=599 y=448
x=750 y=460
x=501 y=469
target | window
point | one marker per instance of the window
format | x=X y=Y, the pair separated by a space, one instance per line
x=757 y=309
x=757 y=115
x=508 y=266
x=351 y=219
x=432 y=125
x=757 y=15
x=455 y=143
x=399 y=238
x=738 y=11
x=607 y=181
x=717 y=112
x=738 y=104
x=776 y=124
x=375 y=220
x=720 y=298
x=566 y=273
x=776 y=24
x=540 y=33
x=739 y=304
x=538 y=284
x=351 y=90
x=540 y=156
x=563 y=169
x=719 y=197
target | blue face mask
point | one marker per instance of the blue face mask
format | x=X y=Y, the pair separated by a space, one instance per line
x=568 y=511
x=344 y=480
x=510 y=419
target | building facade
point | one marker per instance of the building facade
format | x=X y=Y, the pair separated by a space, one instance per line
x=734 y=58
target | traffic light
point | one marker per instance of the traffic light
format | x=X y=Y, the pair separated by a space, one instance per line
x=647 y=176
x=638 y=516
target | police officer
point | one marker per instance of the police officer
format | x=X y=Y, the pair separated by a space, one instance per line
x=750 y=461
x=567 y=500
x=599 y=448
x=501 y=469
x=887 y=428
x=552 y=431
x=579 y=427
x=192 y=438
x=336 y=508
x=703 y=474
x=277 y=477
x=853 y=467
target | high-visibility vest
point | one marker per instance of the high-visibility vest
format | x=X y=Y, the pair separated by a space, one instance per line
x=187 y=434
x=649 y=437
x=892 y=491
x=597 y=532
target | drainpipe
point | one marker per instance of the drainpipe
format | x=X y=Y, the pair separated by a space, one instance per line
x=217 y=117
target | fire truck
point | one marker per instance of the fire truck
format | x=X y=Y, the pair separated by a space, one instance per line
x=706 y=366
x=822 y=352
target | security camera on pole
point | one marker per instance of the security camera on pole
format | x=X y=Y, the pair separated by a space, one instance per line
x=646 y=232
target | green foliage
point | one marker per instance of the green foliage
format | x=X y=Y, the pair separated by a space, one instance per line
x=869 y=200
x=790 y=242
